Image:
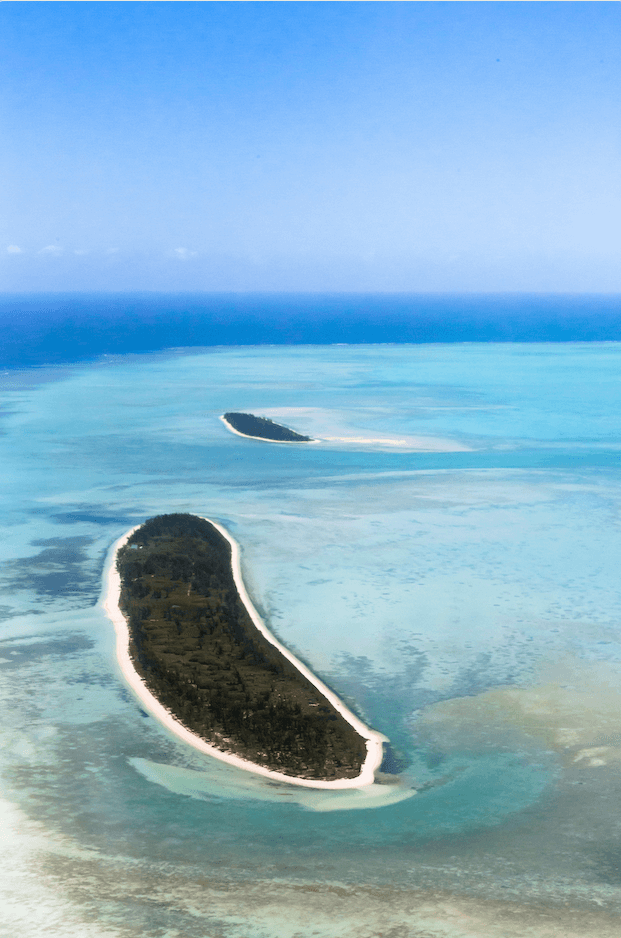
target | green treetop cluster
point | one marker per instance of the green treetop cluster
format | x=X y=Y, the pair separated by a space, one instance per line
x=264 y=428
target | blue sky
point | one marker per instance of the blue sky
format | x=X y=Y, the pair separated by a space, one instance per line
x=311 y=146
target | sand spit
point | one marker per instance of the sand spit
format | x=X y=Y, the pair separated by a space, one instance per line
x=112 y=592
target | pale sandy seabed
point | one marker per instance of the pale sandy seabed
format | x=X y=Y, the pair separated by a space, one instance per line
x=51 y=887
x=100 y=847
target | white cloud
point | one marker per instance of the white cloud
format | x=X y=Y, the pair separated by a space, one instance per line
x=14 y=249
x=51 y=249
x=112 y=251
x=184 y=253
x=80 y=251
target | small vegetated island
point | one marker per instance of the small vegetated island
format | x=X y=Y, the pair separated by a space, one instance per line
x=195 y=646
x=263 y=429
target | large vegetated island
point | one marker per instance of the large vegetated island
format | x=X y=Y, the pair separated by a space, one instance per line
x=195 y=646
x=263 y=428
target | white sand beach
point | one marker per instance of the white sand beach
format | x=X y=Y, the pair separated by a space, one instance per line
x=111 y=596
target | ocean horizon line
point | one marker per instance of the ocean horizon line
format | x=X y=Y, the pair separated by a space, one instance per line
x=63 y=328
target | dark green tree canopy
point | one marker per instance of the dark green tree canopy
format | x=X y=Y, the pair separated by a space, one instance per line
x=196 y=647
x=264 y=428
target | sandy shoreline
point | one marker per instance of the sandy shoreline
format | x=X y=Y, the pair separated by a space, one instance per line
x=112 y=591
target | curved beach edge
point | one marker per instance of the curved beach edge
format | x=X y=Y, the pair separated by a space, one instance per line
x=110 y=603
x=262 y=439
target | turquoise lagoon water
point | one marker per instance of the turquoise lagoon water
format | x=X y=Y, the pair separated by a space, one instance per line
x=446 y=558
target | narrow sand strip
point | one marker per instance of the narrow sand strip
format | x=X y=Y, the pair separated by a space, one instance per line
x=418 y=444
x=112 y=592
x=263 y=439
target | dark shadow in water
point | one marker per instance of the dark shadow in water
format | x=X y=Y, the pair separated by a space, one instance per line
x=389 y=700
x=386 y=699
x=83 y=517
x=62 y=567
x=19 y=653
x=87 y=513
x=10 y=612
x=94 y=516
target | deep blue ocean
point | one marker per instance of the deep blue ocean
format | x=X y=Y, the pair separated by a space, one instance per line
x=446 y=558
x=39 y=329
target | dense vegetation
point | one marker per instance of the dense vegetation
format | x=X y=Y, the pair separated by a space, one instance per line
x=250 y=425
x=193 y=642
